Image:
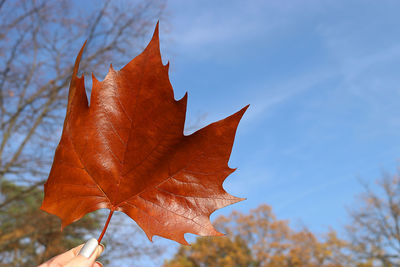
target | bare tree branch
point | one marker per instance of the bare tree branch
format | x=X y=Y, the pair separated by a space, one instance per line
x=374 y=230
x=39 y=41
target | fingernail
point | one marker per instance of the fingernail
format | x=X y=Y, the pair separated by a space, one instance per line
x=99 y=263
x=99 y=250
x=89 y=247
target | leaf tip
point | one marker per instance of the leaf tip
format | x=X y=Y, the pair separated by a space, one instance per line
x=241 y=199
x=184 y=98
x=78 y=60
x=238 y=115
x=183 y=241
x=243 y=110
x=219 y=234
x=156 y=33
x=152 y=50
x=149 y=236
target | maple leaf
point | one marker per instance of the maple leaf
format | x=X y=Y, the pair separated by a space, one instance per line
x=127 y=152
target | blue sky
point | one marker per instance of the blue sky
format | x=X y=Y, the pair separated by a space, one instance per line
x=322 y=79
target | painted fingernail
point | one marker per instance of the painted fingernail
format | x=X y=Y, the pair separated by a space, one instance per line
x=89 y=247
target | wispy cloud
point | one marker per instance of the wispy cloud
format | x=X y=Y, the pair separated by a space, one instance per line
x=272 y=95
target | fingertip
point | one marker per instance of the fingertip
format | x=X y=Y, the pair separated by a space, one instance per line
x=77 y=249
x=99 y=249
x=98 y=264
x=103 y=247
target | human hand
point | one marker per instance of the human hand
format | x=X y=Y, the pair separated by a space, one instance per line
x=78 y=257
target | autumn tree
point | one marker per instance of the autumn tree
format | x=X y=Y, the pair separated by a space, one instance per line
x=39 y=41
x=42 y=229
x=374 y=231
x=214 y=252
x=260 y=239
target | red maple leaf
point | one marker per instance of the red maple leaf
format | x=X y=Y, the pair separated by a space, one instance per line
x=127 y=152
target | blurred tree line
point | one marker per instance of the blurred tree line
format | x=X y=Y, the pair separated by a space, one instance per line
x=259 y=239
x=39 y=41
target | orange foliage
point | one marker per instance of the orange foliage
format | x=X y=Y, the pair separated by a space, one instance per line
x=260 y=239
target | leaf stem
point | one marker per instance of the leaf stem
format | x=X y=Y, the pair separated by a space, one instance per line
x=105 y=226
